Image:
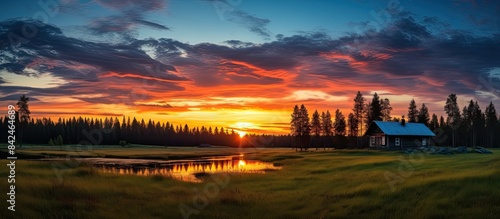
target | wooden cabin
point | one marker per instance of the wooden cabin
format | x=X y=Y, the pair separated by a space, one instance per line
x=399 y=134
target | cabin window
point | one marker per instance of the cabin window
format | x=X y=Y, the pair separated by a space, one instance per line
x=377 y=140
x=397 y=141
x=424 y=141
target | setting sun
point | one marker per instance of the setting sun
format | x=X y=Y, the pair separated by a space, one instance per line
x=241 y=133
x=242 y=163
x=242 y=128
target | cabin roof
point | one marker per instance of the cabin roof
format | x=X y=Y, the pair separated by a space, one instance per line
x=395 y=128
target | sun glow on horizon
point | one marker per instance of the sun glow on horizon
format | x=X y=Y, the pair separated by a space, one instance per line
x=243 y=127
x=241 y=133
x=242 y=163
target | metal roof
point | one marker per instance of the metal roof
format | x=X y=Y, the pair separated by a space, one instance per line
x=409 y=129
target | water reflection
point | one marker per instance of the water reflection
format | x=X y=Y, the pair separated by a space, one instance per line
x=189 y=170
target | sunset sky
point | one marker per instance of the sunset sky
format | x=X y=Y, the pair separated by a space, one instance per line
x=244 y=64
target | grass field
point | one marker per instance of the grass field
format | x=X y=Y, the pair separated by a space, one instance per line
x=315 y=184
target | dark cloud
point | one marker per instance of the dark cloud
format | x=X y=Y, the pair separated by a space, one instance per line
x=238 y=43
x=15 y=97
x=111 y=24
x=51 y=44
x=151 y=24
x=131 y=14
x=124 y=24
x=12 y=67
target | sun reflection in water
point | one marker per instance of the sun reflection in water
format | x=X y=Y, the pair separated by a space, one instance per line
x=242 y=163
x=186 y=171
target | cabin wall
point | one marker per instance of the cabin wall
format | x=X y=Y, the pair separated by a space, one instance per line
x=407 y=141
x=378 y=140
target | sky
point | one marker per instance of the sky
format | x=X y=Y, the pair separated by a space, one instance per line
x=244 y=64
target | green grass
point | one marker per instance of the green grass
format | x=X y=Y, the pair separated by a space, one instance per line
x=317 y=184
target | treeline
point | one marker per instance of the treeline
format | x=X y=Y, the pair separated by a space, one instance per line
x=468 y=127
x=110 y=131
x=306 y=142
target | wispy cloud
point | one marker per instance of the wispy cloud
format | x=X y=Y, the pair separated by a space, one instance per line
x=131 y=15
x=230 y=12
x=151 y=5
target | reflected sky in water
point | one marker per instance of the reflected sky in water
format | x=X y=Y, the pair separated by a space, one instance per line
x=187 y=170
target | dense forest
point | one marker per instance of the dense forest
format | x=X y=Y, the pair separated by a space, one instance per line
x=111 y=131
x=466 y=127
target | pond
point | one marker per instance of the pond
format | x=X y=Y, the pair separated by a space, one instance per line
x=184 y=170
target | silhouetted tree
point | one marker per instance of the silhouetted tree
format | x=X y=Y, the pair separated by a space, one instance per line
x=412 y=111
x=353 y=125
x=23 y=113
x=316 y=124
x=295 y=126
x=491 y=123
x=305 y=128
x=423 y=115
x=300 y=125
x=316 y=128
x=466 y=123
x=386 y=109
x=434 y=124
x=453 y=112
x=339 y=124
x=478 y=121
x=374 y=110
x=326 y=123
x=442 y=123
x=358 y=110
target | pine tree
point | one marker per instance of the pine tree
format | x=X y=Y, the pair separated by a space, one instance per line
x=434 y=124
x=491 y=123
x=423 y=115
x=23 y=113
x=466 y=122
x=353 y=125
x=316 y=127
x=316 y=124
x=442 y=124
x=374 y=110
x=323 y=118
x=478 y=121
x=358 y=111
x=412 y=111
x=295 y=121
x=305 y=128
x=327 y=124
x=386 y=109
x=453 y=112
x=340 y=124
x=305 y=124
